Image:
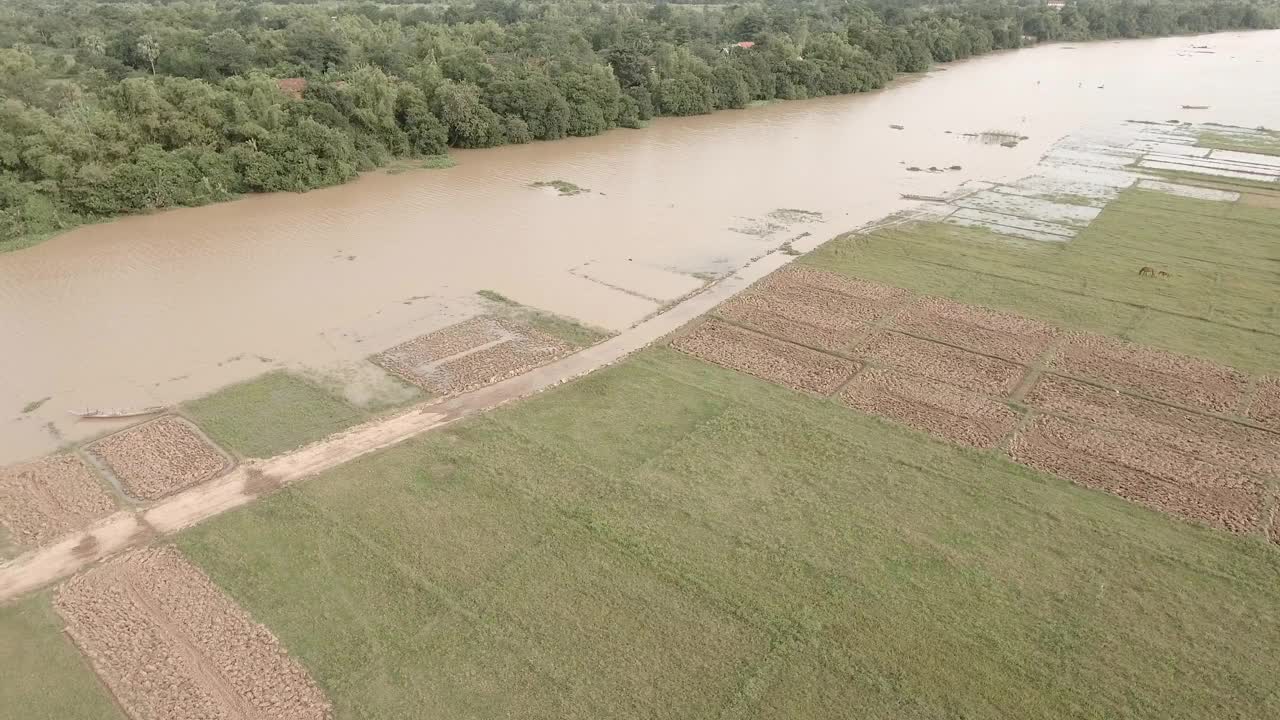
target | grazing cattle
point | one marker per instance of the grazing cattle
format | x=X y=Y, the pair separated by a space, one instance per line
x=1147 y=271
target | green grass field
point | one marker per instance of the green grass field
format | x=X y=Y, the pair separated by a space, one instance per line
x=271 y=414
x=45 y=677
x=669 y=539
x=1266 y=142
x=1220 y=301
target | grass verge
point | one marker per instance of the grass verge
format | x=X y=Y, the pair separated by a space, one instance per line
x=669 y=539
x=1219 y=301
x=45 y=677
x=271 y=414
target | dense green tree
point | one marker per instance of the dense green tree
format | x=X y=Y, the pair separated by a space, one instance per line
x=470 y=123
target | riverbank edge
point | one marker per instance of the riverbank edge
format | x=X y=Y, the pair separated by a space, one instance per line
x=23 y=242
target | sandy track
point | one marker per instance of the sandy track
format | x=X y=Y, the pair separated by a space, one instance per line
x=1157 y=373
x=157 y=458
x=961 y=368
x=1012 y=337
x=950 y=413
x=46 y=498
x=1159 y=478
x=172 y=646
x=1207 y=438
x=74 y=552
x=766 y=358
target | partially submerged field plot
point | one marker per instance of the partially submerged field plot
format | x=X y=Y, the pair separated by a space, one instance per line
x=170 y=644
x=471 y=354
x=159 y=457
x=1218 y=301
x=670 y=539
x=272 y=414
x=46 y=498
x=1243 y=140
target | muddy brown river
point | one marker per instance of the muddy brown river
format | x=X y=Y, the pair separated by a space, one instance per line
x=158 y=309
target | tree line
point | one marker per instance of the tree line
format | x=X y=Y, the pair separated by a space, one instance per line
x=111 y=108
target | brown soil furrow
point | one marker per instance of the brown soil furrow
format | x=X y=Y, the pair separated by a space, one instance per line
x=171 y=645
x=49 y=497
x=135 y=660
x=1157 y=373
x=1012 y=337
x=1208 y=438
x=470 y=355
x=201 y=671
x=954 y=366
x=160 y=457
x=1159 y=478
x=776 y=325
x=406 y=358
x=811 y=307
x=492 y=364
x=764 y=357
x=1265 y=408
x=809 y=277
x=933 y=407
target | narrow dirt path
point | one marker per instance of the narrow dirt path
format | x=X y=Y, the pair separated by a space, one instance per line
x=44 y=566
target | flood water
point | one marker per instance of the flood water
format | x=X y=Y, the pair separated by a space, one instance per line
x=158 y=309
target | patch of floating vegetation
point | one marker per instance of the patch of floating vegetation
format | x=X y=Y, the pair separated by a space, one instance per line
x=564 y=187
x=1003 y=138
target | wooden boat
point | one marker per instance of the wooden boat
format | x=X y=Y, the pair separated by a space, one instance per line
x=118 y=412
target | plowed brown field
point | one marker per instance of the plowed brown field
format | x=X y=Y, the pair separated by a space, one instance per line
x=950 y=413
x=805 y=276
x=160 y=457
x=1164 y=375
x=46 y=498
x=492 y=364
x=765 y=357
x=961 y=368
x=471 y=354
x=1160 y=478
x=812 y=307
x=171 y=646
x=1208 y=438
x=1004 y=335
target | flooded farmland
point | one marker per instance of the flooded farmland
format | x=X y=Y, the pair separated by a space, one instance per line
x=158 y=309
